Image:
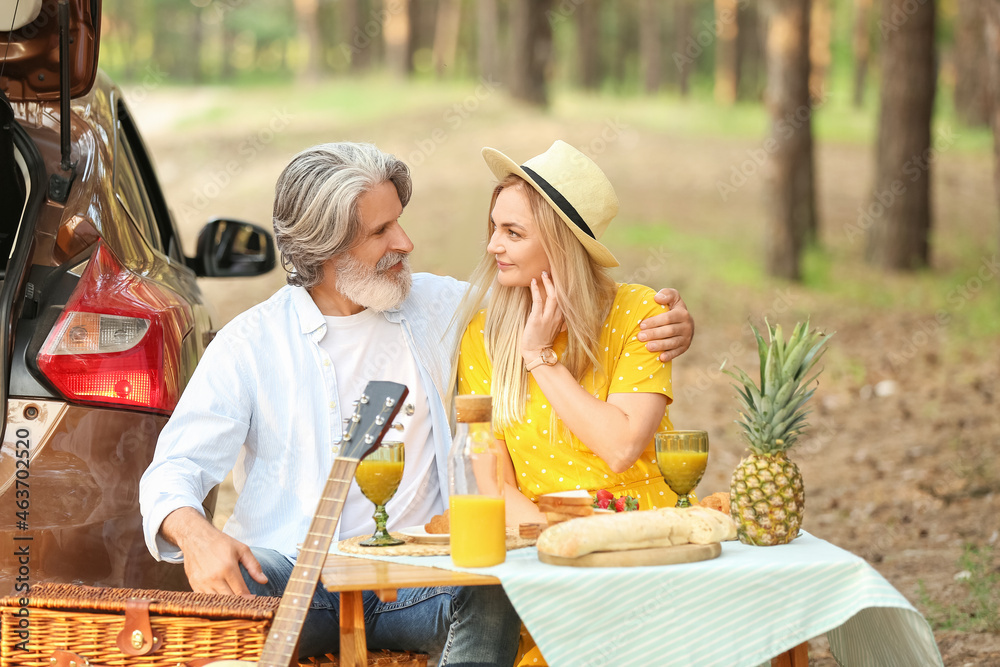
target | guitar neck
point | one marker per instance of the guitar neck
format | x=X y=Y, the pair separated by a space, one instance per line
x=279 y=648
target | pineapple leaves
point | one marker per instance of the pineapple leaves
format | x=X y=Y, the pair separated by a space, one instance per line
x=774 y=414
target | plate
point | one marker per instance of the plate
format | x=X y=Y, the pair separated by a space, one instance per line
x=420 y=534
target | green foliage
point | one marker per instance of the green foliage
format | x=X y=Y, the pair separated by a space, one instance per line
x=980 y=610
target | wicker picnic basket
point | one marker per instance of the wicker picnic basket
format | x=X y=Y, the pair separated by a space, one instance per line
x=123 y=626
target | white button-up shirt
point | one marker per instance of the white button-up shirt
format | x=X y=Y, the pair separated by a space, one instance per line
x=263 y=403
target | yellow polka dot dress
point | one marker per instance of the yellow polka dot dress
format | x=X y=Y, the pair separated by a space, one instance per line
x=547 y=462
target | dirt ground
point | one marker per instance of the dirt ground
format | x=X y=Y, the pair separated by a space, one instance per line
x=901 y=464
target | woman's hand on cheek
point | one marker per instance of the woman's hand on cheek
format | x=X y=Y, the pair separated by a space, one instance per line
x=545 y=320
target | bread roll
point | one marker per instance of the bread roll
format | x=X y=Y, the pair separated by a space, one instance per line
x=439 y=524
x=717 y=501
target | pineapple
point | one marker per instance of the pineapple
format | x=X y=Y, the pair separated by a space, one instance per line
x=767 y=494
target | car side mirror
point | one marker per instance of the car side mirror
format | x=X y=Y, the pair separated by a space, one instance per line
x=231 y=249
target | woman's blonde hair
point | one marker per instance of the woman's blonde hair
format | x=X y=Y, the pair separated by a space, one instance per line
x=584 y=289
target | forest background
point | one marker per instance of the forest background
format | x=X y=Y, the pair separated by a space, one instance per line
x=779 y=159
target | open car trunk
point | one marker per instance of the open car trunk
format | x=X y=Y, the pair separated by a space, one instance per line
x=22 y=179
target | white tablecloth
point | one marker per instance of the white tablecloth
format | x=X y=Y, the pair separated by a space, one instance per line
x=743 y=608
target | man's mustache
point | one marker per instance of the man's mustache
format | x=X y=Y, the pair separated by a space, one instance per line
x=390 y=260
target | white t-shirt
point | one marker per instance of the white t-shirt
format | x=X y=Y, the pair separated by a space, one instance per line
x=365 y=347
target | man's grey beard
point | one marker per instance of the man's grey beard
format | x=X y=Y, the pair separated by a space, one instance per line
x=376 y=288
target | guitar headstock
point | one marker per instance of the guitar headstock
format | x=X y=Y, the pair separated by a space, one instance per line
x=372 y=418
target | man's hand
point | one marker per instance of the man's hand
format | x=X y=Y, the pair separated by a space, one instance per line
x=211 y=558
x=669 y=333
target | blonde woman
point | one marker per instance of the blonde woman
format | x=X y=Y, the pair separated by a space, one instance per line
x=577 y=398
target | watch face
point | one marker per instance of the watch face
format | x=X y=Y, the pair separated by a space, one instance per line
x=549 y=357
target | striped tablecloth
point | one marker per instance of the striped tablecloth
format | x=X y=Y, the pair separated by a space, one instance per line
x=743 y=608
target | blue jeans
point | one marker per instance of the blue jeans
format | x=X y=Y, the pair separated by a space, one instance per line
x=469 y=626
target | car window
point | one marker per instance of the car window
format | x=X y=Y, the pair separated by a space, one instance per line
x=132 y=195
x=157 y=216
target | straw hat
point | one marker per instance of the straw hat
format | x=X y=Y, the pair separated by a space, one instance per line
x=573 y=185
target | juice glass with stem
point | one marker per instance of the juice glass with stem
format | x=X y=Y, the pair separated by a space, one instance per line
x=682 y=457
x=379 y=475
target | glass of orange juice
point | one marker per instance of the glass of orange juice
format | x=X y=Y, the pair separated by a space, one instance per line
x=682 y=457
x=379 y=475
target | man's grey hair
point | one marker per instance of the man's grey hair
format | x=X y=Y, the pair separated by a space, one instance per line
x=316 y=203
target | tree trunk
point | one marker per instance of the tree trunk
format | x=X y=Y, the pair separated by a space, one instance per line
x=899 y=216
x=307 y=20
x=862 y=48
x=751 y=53
x=626 y=36
x=588 y=43
x=791 y=188
x=531 y=50
x=972 y=102
x=727 y=65
x=195 y=46
x=820 y=56
x=487 y=32
x=396 y=35
x=228 y=70
x=649 y=44
x=449 y=19
x=993 y=52
x=684 y=17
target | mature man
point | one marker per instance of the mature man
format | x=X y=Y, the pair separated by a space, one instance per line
x=269 y=398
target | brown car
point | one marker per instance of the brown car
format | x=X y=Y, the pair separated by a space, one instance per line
x=101 y=318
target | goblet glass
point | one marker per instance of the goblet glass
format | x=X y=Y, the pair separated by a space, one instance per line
x=682 y=457
x=379 y=475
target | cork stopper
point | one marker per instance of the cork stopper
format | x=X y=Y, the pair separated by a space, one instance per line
x=472 y=408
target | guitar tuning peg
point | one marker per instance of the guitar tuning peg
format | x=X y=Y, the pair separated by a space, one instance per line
x=355 y=403
x=408 y=409
x=397 y=426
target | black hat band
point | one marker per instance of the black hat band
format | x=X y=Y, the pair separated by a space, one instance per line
x=559 y=201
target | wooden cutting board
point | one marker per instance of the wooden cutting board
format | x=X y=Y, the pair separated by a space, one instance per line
x=682 y=553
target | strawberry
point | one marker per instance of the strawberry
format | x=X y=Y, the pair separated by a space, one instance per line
x=603 y=499
x=620 y=504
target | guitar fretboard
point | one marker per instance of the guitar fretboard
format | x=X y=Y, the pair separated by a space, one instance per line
x=284 y=633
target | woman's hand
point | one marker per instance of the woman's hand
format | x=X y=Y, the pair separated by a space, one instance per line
x=545 y=320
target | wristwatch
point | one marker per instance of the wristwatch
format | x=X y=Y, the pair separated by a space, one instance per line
x=547 y=356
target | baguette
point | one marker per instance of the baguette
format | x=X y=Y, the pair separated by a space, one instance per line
x=624 y=531
x=708 y=525
x=613 y=532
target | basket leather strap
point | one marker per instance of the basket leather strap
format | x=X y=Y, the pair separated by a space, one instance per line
x=136 y=638
x=60 y=658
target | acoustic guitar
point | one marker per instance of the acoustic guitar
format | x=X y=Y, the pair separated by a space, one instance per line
x=372 y=418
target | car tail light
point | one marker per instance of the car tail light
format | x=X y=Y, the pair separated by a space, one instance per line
x=118 y=341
